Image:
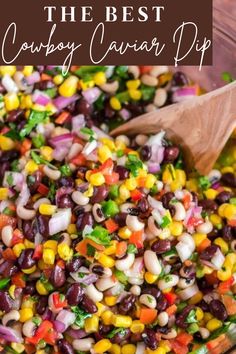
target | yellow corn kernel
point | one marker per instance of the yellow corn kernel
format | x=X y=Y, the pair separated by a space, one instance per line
x=110 y=300
x=111 y=249
x=125 y=233
x=176 y=228
x=216 y=220
x=41 y=351
x=71 y=229
x=47 y=209
x=221 y=209
x=150 y=181
x=156 y=351
x=230 y=260
x=91 y=324
x=121 y=321
x=106 y=261
x=42 y=265
x=230 y=212
x=104 y=153
x=115 y=349
x=31 y=167
x=120 y=145
x=28 y=69
x=41 y=288
x=18 y=347
x=175 y=185
x=135 y=94
x=26 y=314
x=3 y=193
x=207 y=270
x=86 y=85
x=213 y=324
x=131 y=184
x=137 y=327
x=89 y=192
x=18 y=248
x=52 y=244
x=108 y=142
x=165 y=233
x=100 y=78
x=30 y=270
x=133 y=84
x=28 y=303
x=97 y=179
x=196 y=298
x=101 y=308
x=64 y=251
x=210 y=193
x=181 y=177
x=167 y=177
x=150 y=278
x=6 y=143
x=207 y=316
x=11 y=291
x=29 y=244
x=224 y=274
x=7 y=70
x=38 y=107
x=199 y=314
x=223 y=245
x=69 y=87
x=192 y=185
x=124 y=193
x=11 y=101
x=102 y=346
x=58 y=79
x=198 y=238
x=165 y=344
x=128 y=349
x=46 y=152
x=51 y=109
x=48 y=256
x=106 y=317
x=227 y=170
x=115 y=103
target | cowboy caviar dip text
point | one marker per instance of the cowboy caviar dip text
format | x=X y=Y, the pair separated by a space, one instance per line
x=107 y=246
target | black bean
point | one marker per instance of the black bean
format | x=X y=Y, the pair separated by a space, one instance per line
x=44 y=85
x=181 y=317
x=9 y=156
x=209 y=252
x=8 y=268
x=203 y=305
x=121 y=336
x=88 y=305
x=229 y=179
x=6 y=302
x=218 y=310
x=65 y=347
x=81 y=171
x=58 y=277
x=195 y=197
x=104 y=329
x=188 y=272
x=42 y=304
x=127 y=303
x=66 y=182
x=42 y=225
x=227 y=233
x=162 y=303
x=151 y=290
x=83 y=220
x=30 y=288
x=82 y=106
x=33 y=181
x=74 y=264
x=98 y=269
x=204 y=286
x=214 y=234
x=29 y=229
x=223 y=197
x=74 y=294
x=171 y=153
x=26 y=260
x=143 y=205
x=208 y=205
x=4 y=166
x=99 y=195
x=179 y=79
x=140 y=252
x=14 y=115
x=150 y=339
x=161 y=246
x=146 y=153
x=120 y=219
x=135 y=338
x=122 y=171
x=166 y=198
x=65 y=202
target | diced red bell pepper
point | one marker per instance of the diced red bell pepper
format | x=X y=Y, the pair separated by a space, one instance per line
x=112 y=178
x=178 y=348
x=58 y=303
x=136 y=195
x=41 y=332
x=42 y=189
x=193 y=221
x=171 y=298
x=38 y=252
x=137 y=239
x=111 y=226
x=17 y=237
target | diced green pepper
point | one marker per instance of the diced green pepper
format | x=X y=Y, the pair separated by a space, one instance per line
x=110 y=208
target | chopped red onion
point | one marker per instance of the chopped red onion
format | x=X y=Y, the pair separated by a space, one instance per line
x=60 y=153
x=66 y=317
x=23 y=196
x=78 y=122
x=188 y=292
x=17 y=180
x=218 y=259
x=10 y=334
x=101 y=134
x=76 y=333
x=156 y=139
x=125 y=114
x=61 y=192
x=64 y=139
x=40 y=98
x=91 y=95
x=153 y=167
x=59 y=326
x=62 y=102
x=33 y=78
x=184 y=93
x=59 y=221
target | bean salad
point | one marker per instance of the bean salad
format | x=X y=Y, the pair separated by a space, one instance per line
x=107 y=245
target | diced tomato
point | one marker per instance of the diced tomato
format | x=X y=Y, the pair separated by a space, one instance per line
x=58 y=303
x=29 y=348
x=136 y=195
x=171 y=298
x=171 y=310
x=62 y=118
x=212 y=278
x=7 y=220
x=79 y=160
x=121 y=249
x=25 y=146
x=17 y=237
x=111 y=225
x=107 y=167
x=112 y=178
x=41 y=332
x=193 y=221
x=203 y=245
x=144 y=69
x=50 y=337
x=232 y=223
x=45 y=77
x=224 y=287
x=137 y=239
x=18 y=280
x=230 y=304
x=4 y=130
x=178 y=348
x=38 y=252
x=147 y=316
x=186 y=201
x=42 y=189
x=81 y=247
x=8 y=254
x=184 y=338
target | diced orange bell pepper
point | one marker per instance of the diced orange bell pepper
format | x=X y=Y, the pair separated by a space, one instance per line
x=147 y=316
x=111 y=226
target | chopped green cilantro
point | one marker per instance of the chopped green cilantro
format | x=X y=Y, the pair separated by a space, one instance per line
x=15 y=166
x=227 y=77
x=120 y=153
x=35 y=118
x=165 y=222
x=100 y=236
x=90 y=250
x=132 y=249
x=87 y=131
x=111 y=334
x=10 y=180
x=40 y=161
x=134 y=164
x=81 y=316
x=38 y=141
x=191 y=318
x=65 y=170
x=121 y=276
x=204 y=183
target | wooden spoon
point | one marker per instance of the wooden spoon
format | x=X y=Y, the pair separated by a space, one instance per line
x=201 y=125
